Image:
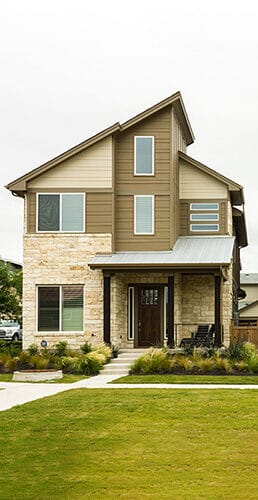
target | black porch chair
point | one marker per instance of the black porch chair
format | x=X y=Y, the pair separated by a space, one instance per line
x=202 y=337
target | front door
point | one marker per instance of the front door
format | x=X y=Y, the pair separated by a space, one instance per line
x=149 y=318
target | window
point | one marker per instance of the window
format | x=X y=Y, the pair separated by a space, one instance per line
x=60 y=308
x=204 y=217
x=204 y=227
x=204 y=206
x=130 y=313
x=61 y=212
x=144 y=214
x=144 y=155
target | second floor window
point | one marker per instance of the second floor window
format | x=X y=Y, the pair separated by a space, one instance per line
x=144 y=155
x=144 y=214
x=61 y=212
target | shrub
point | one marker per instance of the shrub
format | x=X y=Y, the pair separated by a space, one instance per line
x=154 y=361
x=86 y=347
x=61 y=348
x=242 y=351
x=252 y=364
x=105 y=350
x=38 y=362
x=33 y=349
x=68 y=364
x=95 y=362
x=205 y=365
x=10 y=364
x=185 y=362
x=240 y=366
x=223 y=364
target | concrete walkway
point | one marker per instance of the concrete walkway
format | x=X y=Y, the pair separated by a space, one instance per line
x=18 y=393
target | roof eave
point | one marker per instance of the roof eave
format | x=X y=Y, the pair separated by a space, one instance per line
x=19 y=184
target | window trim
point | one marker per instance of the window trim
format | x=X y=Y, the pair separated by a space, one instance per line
x=60 y=194
x=199 y=209
x=194 y=217
x=135 y=156
x=199 y=230
x=152 y=214
x=57 y=332
x=130 y=309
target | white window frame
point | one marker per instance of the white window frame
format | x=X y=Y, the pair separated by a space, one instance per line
x=135 y=156
x=165 y=313
x=214 y=217
x=152 y=215
x=60 y=213
x=199 y=209
x=130 y=305
x=57 y=332
x=215 y=230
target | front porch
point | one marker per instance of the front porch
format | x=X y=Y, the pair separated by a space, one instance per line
x=141 y=309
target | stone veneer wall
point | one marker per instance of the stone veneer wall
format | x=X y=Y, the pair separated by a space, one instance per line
x=61 y=259
x=227 y=300
x=197 y=296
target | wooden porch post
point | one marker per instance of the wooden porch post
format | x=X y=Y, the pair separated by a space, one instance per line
x=106 y=309
x=217 y=282
x=171 y=314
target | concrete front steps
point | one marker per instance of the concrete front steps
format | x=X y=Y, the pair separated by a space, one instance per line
x=120 y=366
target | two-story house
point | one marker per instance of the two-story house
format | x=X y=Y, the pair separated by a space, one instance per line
x=129 y=240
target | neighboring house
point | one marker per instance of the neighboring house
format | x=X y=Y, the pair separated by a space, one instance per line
x=129 y=240
x=248 y=306
x=12 y=263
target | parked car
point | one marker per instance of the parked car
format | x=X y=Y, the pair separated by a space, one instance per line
x=10 y=330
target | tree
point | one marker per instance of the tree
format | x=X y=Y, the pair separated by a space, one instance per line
x=10 y=292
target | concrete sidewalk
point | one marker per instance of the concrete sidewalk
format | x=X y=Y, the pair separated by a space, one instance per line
x=18 y=393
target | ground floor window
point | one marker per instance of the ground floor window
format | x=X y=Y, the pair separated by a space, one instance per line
x=60 y=308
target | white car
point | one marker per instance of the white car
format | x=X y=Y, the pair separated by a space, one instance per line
x=10 y=330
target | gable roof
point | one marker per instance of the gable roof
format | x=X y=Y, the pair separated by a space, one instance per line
x=19 y=185
x=236 y=190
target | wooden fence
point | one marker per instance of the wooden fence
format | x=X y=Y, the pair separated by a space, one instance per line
x=244 y=334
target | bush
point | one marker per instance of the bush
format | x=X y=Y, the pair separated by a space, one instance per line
x=61 y=349
x=105 y=350
x=33 y=349
x=252 y=364
x=86 y=347
x=38 y=362
x=154 y=361
x=242 y=351
x=11 y=347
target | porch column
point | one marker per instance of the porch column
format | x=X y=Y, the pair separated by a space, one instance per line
x=171 y=314
x=217 y=282
x=106 y=309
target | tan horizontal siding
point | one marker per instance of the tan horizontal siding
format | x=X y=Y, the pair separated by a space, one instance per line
x=91 y=168
x=159 y=127
x=126 y=240
x=99 y=212
x=185 y=217
x=197 y=184
x=31 y=212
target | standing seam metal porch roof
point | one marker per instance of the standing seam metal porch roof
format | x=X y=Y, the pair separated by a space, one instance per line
x=192 y=250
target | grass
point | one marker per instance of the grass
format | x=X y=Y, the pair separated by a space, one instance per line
x=131 y=444
x=187 y=379
x=66 y=379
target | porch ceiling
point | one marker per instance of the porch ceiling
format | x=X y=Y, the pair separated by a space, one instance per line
x=192 y=251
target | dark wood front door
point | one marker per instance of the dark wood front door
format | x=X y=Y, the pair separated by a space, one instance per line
x=149 y=319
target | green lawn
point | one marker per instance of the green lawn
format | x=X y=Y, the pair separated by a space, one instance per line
x=186 y=379
x=131 y=444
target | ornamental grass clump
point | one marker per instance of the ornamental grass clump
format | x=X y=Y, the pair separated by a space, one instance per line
x=103 y=349
x=205 y=365
x=154 y=361
x=38 y=362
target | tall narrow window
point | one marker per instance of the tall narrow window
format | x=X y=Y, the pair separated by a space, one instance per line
x=61 y=212
x=130 y=313
x=60 y=308
x=144 y=214
x=144 y=155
